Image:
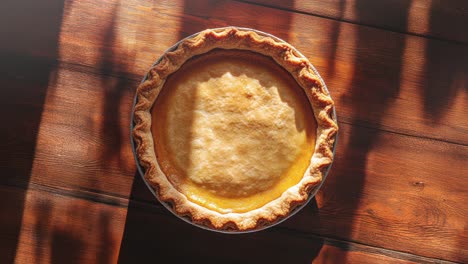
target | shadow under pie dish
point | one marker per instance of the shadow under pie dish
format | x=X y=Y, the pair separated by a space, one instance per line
x=233 y=129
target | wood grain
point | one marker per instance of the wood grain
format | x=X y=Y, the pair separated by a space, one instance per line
x=99 y=157
x=23 y=87
x=63 y=229
x=58 y=229
x=381 y=79
x=394 y=193
x=383 y=189
x=398 y=181
x=434 y=19
x=383 y=71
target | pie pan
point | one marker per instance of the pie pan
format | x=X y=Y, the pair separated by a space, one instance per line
x=311 y=193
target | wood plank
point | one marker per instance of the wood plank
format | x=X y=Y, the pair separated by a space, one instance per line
x=92 y=154
x=394 y=192
x=66 y=130
x=199 y=246
x=73 y=159
x=57 y=228
x=385 y=195
x=404 y=219
x=61 y=229
x=380 y=79
x=419 y=204
x=338 y=253
x=84 y=138
x=28 y=53
x=406 y=212
x=391 y=74
x=435 y=19
x=26 y=27
x=21 y=109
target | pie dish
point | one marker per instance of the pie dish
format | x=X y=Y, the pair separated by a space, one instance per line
x=234 y=129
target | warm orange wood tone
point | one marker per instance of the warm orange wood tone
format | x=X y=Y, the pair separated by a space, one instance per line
x=397 y=70
x=437 y=19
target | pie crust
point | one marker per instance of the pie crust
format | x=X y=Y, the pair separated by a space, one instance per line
x=234 y=129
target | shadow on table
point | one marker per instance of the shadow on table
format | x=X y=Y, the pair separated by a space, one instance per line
x=446 y=67
x=110 y=65
x=200 y=15
x=28 y=50
x=59 y=236
x=28 y=63
x=152 y=234
x=367 y=102
x=444 y=73
x=65 y=244
x=149 y=230
x=334 y=34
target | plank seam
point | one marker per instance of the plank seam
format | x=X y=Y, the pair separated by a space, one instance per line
x=347 y=245
x=401 y=133
x=358 y=124
x=452 y=41
x=350 y=245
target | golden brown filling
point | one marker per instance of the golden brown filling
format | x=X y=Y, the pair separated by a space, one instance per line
x=233 y=130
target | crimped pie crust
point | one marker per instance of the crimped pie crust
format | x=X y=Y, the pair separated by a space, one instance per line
x=285 y=56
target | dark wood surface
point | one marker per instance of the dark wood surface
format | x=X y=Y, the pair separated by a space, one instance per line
x=397 y=192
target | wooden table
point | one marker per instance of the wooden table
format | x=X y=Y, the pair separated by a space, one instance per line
x=397 y=192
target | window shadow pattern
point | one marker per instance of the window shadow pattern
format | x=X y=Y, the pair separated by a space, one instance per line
x=28 y=53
